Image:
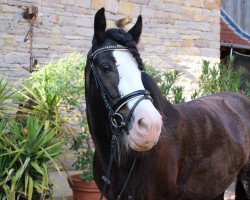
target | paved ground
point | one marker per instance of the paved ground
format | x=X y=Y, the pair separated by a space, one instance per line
x=229 y=194
x=62 y=189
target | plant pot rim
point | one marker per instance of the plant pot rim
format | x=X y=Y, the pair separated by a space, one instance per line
x=75 y=181
x=81 y=187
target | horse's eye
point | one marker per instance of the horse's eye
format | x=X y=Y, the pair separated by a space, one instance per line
x=105 y=68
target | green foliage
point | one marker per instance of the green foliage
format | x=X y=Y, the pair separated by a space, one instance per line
x=25 y=151
x=62 y=83
x=6 y=95
x=32 y=140
x=221 y=78
x=247 y=90
x=178 y=95
x=166 y=82
x=55 y=84
x=39 y=100
x=195 y=95
x=64 y=78
x=87 y=165
x=81 y=144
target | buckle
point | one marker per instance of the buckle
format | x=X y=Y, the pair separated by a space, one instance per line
x=117 y=120
x=106 y=180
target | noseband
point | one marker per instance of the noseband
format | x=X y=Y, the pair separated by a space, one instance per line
x=115 y=118
x=117 y=122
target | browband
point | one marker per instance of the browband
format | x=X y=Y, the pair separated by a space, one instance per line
x=106 y=48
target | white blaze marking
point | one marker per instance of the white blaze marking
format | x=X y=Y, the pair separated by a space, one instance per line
x=129 y=74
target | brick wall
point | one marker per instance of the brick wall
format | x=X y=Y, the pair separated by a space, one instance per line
x=177 y=34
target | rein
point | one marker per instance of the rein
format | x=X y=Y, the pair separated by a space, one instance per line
x=116 y=120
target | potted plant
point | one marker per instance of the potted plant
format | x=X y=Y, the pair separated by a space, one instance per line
x=83 y=184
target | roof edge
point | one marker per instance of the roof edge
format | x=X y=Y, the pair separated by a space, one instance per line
x=229 y=21
x=238 y=46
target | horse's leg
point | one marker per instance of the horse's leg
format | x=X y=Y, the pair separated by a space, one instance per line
x=242 y=187
x=240 y=193
x=220 y=197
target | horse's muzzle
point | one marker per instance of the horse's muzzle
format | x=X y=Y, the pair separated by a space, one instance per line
x=146 y=129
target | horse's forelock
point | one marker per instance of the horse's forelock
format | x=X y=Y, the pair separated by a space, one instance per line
x=123 y=38
x=119 y=35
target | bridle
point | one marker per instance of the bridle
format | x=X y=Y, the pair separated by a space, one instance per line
x=116 y=120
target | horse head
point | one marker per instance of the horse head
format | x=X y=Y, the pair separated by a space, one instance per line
x=117 y=72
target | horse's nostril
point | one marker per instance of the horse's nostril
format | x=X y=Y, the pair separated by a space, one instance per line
x=142 y=123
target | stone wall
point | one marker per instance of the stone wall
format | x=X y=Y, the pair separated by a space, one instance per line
x=177 y=34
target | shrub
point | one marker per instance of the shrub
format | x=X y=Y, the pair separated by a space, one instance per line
x=221 y=78
x=55 y=90
x=166 y=82
x=64 y=78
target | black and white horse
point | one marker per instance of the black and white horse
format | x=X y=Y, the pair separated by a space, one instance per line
x=190 y=151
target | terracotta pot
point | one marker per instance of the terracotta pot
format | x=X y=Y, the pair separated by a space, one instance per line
x=83 y=190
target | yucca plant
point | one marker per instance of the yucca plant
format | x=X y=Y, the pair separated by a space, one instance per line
x=6 y=94
x=29 y=148
x=37 y=99
x=4 y=161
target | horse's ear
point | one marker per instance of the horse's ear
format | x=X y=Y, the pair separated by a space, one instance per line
x=99 y=26
x=135 y=31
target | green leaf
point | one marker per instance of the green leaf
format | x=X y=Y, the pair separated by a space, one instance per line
x=37 y=167
x=26 y=182
x=30 y=189
x=54 y=163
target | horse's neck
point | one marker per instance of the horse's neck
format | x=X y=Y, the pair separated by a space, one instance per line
x=170 y=114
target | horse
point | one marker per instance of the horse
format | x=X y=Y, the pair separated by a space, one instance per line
x=188 y=151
